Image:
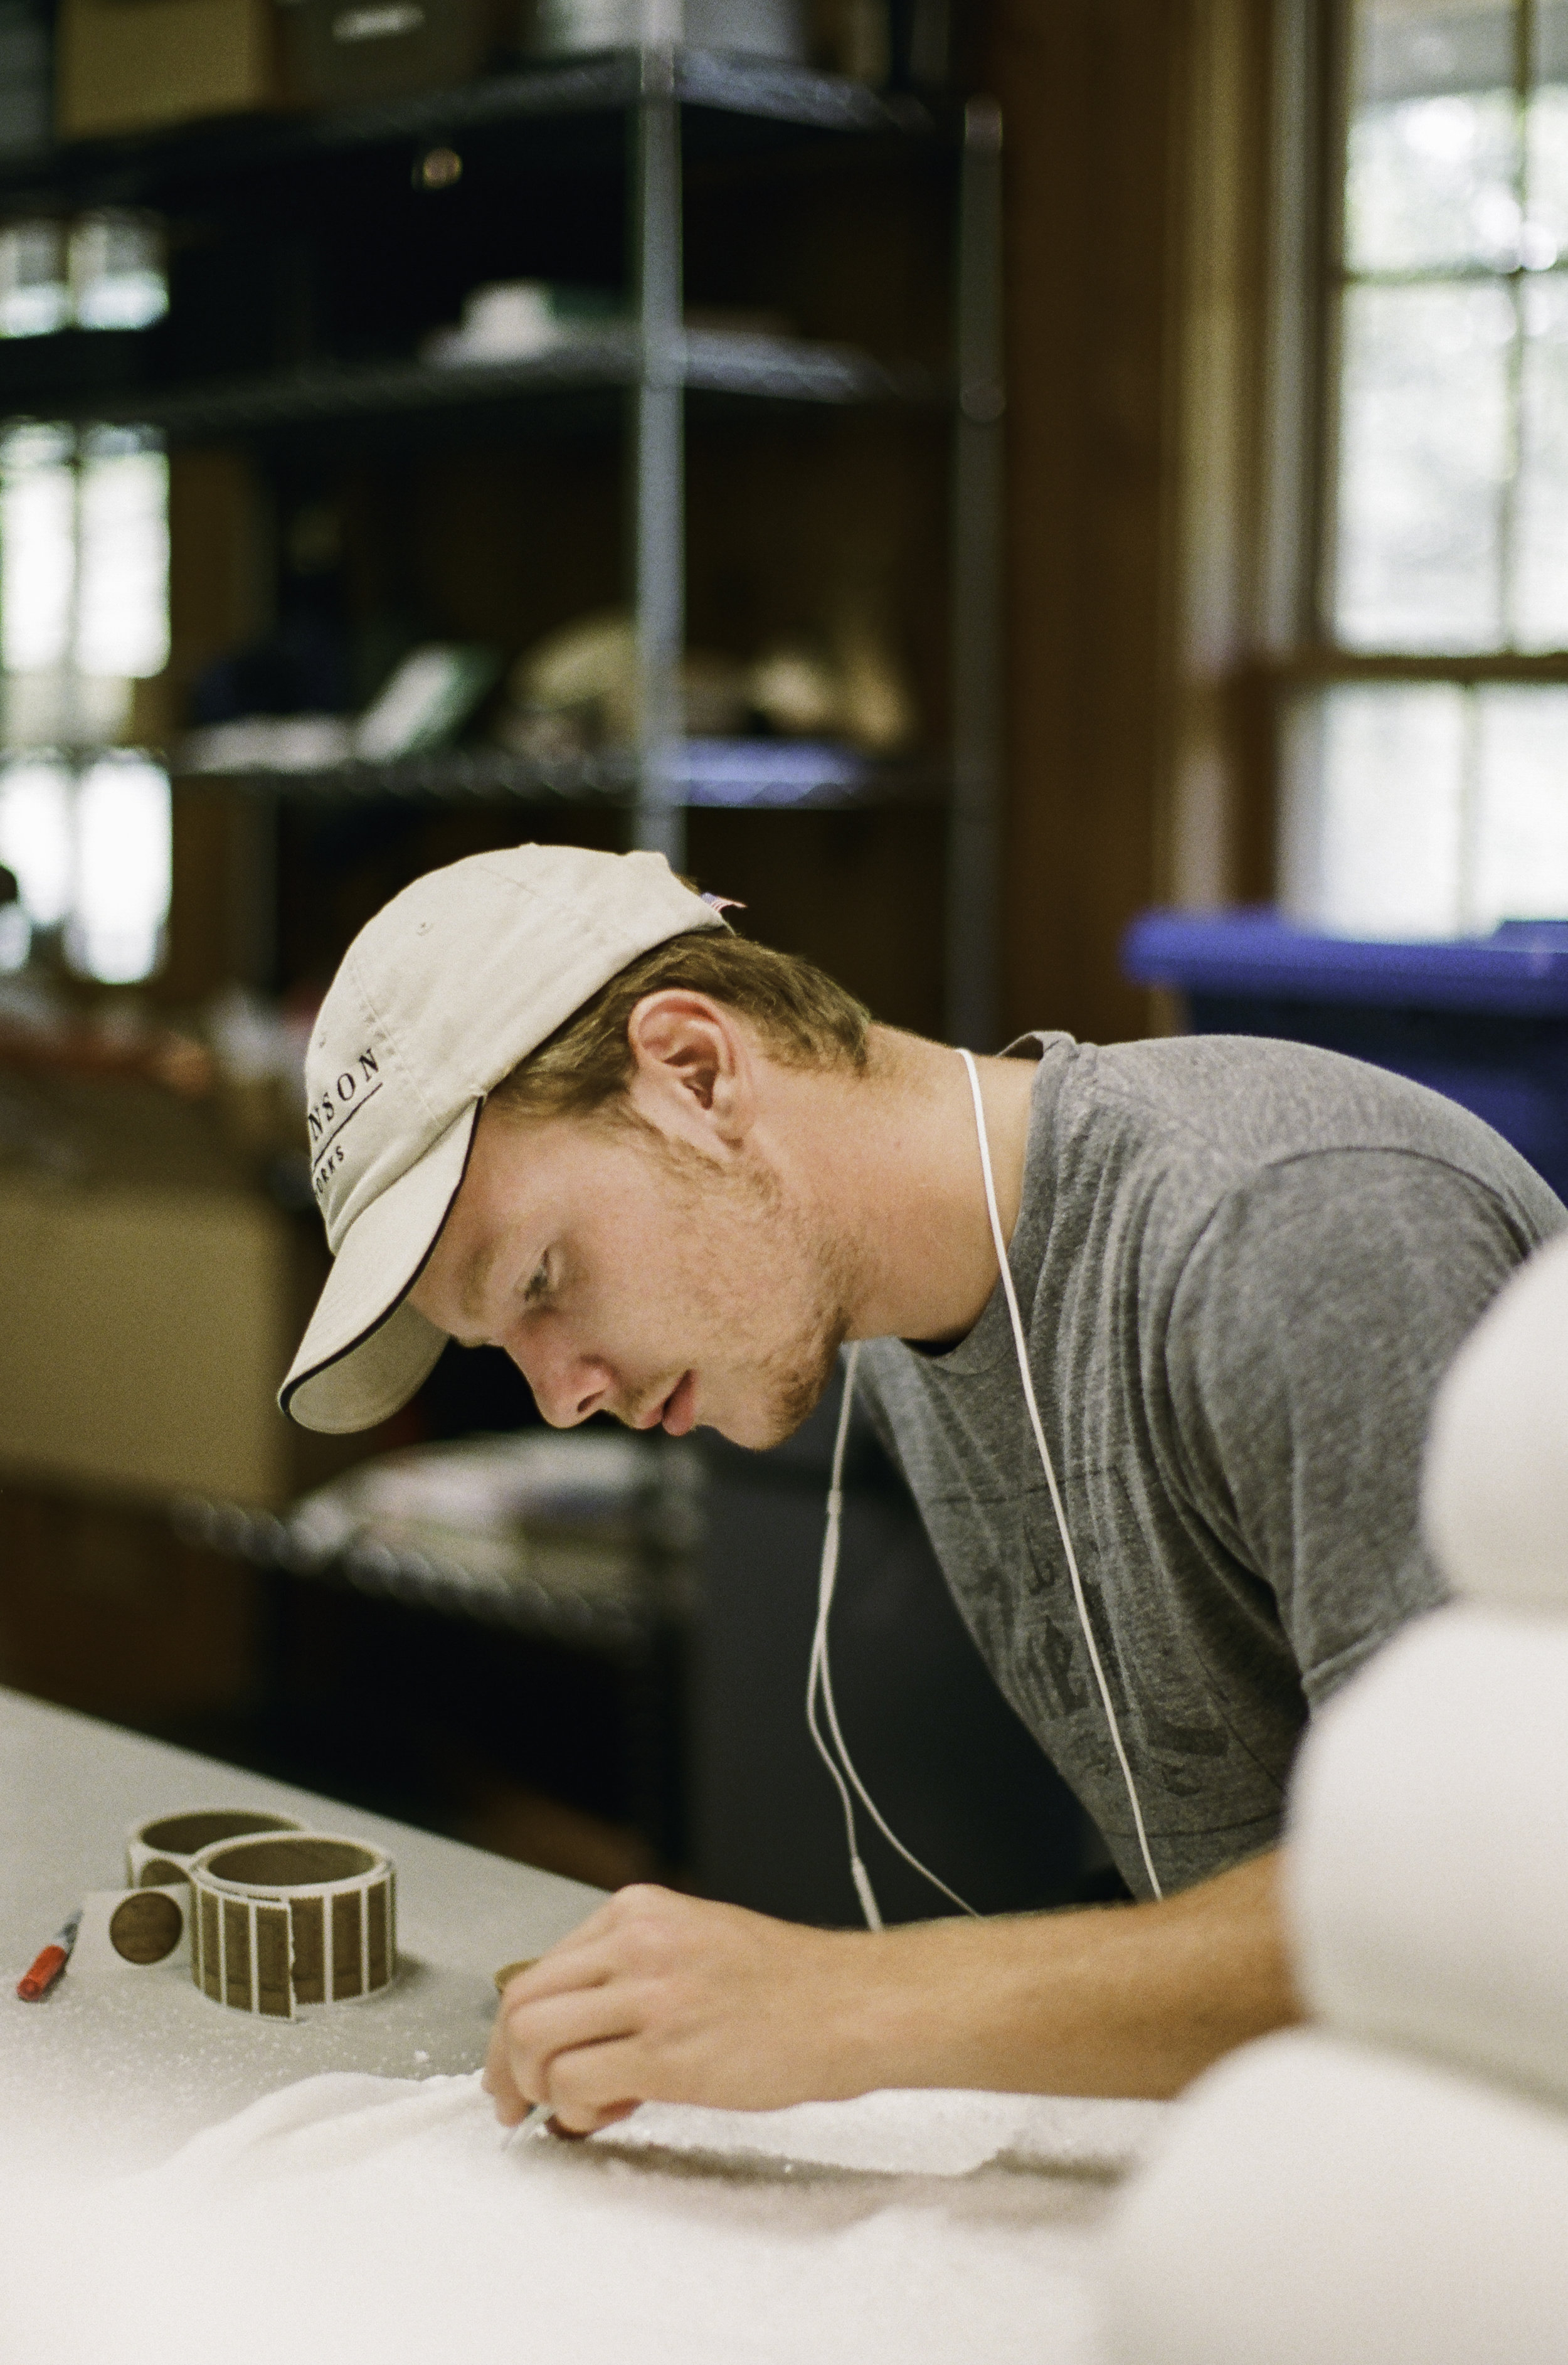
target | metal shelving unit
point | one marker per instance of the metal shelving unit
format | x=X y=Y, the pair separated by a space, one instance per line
x=741 y=98
x=653 y=107
x=745 y=774
x=590 y=361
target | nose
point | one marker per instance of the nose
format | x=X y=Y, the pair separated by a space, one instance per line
x=567 y=1387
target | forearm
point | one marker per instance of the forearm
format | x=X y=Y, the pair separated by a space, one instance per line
x=1121 y=1999
x=660 y=1998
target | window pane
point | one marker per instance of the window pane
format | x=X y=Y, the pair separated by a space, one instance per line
x=1433 y=181
x=1550 y=60
x=1433 y=165
x=1423 y=450
x=124 y=624
x=1374 y=804
x=37 y=549
x=1540 y=562
x=1521 y=825
x=35 y=837
x=1423 y=49
x=116 y=931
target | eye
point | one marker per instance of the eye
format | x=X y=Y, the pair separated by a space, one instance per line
x=538 y=1287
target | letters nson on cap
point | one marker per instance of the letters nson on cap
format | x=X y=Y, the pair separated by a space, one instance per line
x=438 y=998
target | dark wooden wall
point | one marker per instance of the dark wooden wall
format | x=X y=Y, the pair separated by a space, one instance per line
x=1135 y=135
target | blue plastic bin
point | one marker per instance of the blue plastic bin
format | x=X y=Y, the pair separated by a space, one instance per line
x=1484 y=1019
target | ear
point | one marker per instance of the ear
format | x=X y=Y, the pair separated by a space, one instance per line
x=694 y=1068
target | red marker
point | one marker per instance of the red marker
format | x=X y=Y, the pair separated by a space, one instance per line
x=35 y=1984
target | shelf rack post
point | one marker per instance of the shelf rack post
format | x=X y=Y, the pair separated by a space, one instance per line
x=657 y=457
x=973 y=984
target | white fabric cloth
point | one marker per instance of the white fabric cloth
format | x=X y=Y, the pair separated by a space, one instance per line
x=1428 y=1859
x=1322 y=2204
x=383 y=2221
x=1495 y=1493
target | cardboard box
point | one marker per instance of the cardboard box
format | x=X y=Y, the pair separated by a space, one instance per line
x=132 y=66
x=337 y=55
x=143 y=1328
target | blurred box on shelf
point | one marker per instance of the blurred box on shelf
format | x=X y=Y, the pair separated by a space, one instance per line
x=134 y=65
x=141 y=1335
x=335 y=53
x=766 y=28
x=154 y=1293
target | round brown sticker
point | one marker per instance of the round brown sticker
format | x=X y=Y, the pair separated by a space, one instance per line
x=146 y=1927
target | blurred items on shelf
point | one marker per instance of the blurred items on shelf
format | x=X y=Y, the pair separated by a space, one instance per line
x=426 y=703
x=768 y=28
x=516 y=318
x=105 y=269
x=133 y=66
x=595 y=1515
x=306 y=668
x=422 y=707
x=42 y=1036
x=244 y=1054
x=269 y=743
x=576 y=690
x=26 y=77
x=242 y=1058
x=257 y=1049
x=335 y=54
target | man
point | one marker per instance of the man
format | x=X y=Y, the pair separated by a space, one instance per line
x=557 y=1106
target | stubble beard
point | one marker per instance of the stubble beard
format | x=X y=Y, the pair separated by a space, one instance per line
x=747 y=1226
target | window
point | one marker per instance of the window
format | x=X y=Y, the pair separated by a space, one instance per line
x=1426 y=787
x=85 y=825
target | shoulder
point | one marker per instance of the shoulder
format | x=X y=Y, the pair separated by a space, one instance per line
x=1200 y=1117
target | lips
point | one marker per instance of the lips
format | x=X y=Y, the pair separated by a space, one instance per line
x=679 y=1413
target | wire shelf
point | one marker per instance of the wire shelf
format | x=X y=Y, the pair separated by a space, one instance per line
x=169 y=165
x=735 y=774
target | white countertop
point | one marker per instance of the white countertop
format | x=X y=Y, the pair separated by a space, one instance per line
x=899 y=2229
x=121 y=2068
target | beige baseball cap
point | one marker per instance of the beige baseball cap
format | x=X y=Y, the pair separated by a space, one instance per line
x=438 y=998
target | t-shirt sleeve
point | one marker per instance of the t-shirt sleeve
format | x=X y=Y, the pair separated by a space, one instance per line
x=1313 y=1319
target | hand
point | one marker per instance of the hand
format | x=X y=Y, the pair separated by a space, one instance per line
x=668 y=1999
x=662 y=1998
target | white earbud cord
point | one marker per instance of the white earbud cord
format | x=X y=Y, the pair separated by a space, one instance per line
x=1046 y=1464
x=820 y=1673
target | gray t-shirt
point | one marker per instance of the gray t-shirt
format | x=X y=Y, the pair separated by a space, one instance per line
x=1243 y=1267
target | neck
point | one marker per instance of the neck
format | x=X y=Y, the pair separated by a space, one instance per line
x=891 y=1160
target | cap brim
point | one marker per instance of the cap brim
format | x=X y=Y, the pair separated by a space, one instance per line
x=367 y=1348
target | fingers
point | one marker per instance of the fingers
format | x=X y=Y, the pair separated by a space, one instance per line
x=575 y=2121
x=532 y=2031
x=562 y=1971
x=595 y=2086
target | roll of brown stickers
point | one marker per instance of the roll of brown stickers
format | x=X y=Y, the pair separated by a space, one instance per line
x=289 y=1920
